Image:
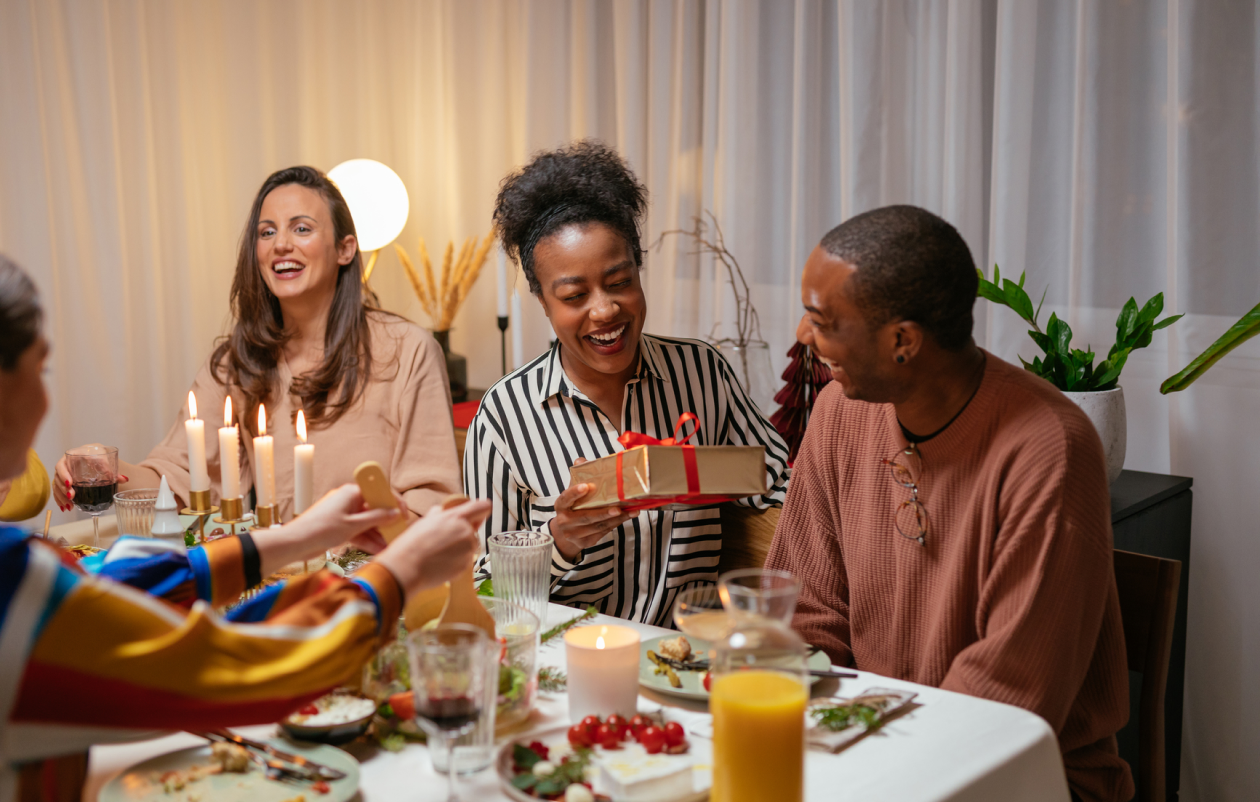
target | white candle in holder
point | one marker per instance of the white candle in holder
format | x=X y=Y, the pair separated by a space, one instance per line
x=264 y=462
x=229 y=453
x=603 y=668
x=195 y=431
x=303 y=469
x=500 y=277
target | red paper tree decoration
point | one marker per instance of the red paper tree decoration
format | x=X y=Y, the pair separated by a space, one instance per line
x=805 y=377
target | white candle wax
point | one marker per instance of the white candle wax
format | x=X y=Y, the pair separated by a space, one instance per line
x=603 y=667
x=195 y=431
x=264 y=463
x=229 y=454
x=303 y=469
x=500 y=277
x=518 y=345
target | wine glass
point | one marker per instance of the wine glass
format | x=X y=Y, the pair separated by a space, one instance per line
x=698 y=612
x=94 y=479
x=448 y=674
x=763 y=592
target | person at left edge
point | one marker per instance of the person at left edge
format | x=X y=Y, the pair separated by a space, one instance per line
x=307 y=334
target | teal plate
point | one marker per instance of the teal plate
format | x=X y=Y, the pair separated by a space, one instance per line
x=140 y=783
x=693 y=681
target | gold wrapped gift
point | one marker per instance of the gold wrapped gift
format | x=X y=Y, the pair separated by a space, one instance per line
x=653 y=476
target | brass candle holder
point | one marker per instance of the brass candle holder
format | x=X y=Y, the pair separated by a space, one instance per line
x=266 y=516
x=199 y=505
x=233 y=513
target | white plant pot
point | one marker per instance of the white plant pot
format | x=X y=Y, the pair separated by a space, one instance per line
x=1106 y=411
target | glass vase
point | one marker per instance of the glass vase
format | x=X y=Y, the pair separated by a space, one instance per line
x=752 y=367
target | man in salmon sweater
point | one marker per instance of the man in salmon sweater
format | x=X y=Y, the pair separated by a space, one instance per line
x=948 y=514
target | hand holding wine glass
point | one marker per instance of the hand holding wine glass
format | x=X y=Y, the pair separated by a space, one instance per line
x=93 y=479
x=63 y=482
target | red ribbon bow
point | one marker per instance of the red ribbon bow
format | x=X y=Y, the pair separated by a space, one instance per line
x=633 y=439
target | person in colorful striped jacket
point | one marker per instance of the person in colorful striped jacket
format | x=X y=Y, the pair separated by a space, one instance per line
x=90 y=658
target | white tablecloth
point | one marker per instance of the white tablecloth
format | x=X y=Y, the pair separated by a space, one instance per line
x=952 y=747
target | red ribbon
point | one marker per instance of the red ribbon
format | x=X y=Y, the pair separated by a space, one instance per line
x=630 y=440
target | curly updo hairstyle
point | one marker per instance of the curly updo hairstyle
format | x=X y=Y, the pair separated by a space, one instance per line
x=586 y=182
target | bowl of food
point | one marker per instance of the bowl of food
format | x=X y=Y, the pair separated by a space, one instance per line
x=336 y=718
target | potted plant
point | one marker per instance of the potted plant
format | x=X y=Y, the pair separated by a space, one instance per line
x=1094 y=388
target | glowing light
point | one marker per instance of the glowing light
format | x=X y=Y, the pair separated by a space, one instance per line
x=262 y=420
x=192 y=405
x=301 y=426
x=599 y=642
x=227 y=411
x=377 y=199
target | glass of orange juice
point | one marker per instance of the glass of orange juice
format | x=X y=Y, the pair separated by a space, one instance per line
x=758 y=697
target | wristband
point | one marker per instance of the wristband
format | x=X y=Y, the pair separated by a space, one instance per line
x=250 y=559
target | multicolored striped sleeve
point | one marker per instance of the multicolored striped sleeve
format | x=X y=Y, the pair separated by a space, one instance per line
x=213 y=572
x=87 y=657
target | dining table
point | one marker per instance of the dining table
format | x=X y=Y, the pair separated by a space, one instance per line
x=946 y=746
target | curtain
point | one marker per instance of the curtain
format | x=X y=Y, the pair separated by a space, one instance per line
x=1107 y=149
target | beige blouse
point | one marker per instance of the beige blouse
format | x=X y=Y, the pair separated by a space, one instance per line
x=402 y=421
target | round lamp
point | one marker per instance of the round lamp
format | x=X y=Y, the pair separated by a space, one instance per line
x=377 y=199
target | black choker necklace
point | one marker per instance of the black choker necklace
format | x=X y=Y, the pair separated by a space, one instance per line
x=915 y=439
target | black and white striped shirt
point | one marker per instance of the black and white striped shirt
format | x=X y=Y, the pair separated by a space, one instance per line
x=535 y=422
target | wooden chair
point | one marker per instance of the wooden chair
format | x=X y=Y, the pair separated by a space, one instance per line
x=746 y=536
x=1148 y=600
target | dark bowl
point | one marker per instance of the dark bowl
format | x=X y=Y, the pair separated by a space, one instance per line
x=334 y=734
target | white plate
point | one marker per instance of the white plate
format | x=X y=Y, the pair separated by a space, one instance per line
x=693 y=681
x=137 y=784
x=701 y=772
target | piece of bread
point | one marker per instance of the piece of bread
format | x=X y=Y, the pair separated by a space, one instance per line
x=676 y=649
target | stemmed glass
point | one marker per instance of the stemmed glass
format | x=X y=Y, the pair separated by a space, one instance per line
x=448 y=673
x=759 y=592
x=699 y=612
x=94 y=478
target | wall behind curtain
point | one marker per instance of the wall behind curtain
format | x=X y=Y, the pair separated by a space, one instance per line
x=1108 y=149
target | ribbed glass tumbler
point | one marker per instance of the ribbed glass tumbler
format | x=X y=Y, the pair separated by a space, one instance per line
x=520 y=564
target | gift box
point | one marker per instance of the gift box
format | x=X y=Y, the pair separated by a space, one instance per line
x=670 y=473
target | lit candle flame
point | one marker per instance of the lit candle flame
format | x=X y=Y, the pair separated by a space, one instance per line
x=227 y=411
x=192 y=405
x=599 y=642
x=262 y=420
x=301 y=426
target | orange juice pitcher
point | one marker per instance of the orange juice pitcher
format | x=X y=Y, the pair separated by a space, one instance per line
x=760 y=689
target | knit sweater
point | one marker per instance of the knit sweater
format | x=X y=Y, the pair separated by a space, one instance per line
x=1011 y=598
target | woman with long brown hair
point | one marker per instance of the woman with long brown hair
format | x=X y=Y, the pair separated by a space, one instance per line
x=308 y=336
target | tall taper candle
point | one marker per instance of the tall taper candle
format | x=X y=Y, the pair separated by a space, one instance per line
x=229 y=454
x=264 y=462
x=303 y=469
x=518 y=341
x=500 y=282
x=195 y=430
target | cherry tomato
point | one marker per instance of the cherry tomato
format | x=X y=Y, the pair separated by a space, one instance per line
x=591 y=724
x=637 y=724
x=539 y=749
x=607 y=737
x=618 y=723
x=653 y=739
x=674 y=733
x=308 y=710
x=579 y=738
x=321 y=787
x=708 y=680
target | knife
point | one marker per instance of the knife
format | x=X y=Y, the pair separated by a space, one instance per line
x=319 y=770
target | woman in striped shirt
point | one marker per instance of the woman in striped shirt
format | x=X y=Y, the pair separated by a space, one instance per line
x=571 y=219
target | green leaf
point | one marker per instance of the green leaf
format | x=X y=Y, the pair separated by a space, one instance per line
x=1043 y=341
x=1109 y=371
x=1017 y=299
x=1152 y=308
x=1244 y=329
x=1060 y=332
x=525 y=757
x=524 y=782
x=1168 y=321
x=1037 y=314
x=486 y=588
x=1126 y=321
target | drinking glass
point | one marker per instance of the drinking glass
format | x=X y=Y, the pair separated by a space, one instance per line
x=699 y=612
x=94 y=478
x=521 y=566
x=448 y=677
x=135 y=511
x=759 y=592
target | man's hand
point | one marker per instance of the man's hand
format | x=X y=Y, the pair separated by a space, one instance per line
x=575 y=530
x=437 y=547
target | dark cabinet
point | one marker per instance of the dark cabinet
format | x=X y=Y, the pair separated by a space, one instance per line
x=1150 y=514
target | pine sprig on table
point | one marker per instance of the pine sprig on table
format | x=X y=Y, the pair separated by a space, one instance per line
x=863 y=711
x=559 y=629
x=552 y=679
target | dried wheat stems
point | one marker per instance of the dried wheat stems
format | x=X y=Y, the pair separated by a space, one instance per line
x=442 y=299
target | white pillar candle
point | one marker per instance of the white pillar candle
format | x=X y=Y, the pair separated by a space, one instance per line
x=603 y=667
x=195 y=430
x=303 y=469
x=229 y=454
x=518 y=343
x=264 y=462
x=500 y=277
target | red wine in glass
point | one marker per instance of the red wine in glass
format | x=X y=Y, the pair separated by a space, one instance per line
x=94 y=497
x=450 y=713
